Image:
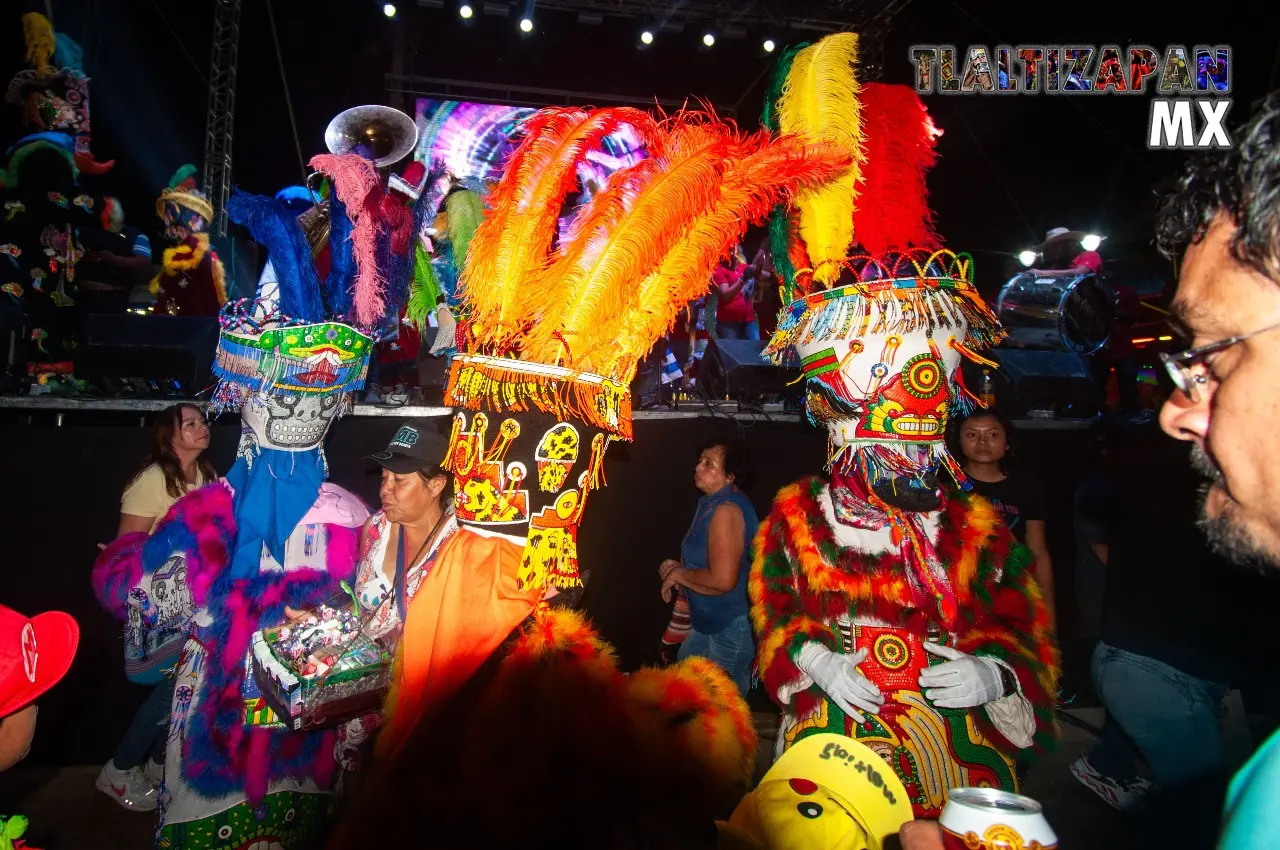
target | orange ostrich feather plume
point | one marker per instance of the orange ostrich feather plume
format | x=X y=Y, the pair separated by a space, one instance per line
x=513 y=244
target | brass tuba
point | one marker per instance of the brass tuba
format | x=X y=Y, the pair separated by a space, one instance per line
x=389 y=133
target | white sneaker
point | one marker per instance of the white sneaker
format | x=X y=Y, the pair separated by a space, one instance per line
x=130 y=788
x=153 y=771
x=1120 y=795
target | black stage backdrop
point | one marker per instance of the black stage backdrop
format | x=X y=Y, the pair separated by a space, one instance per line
x=65 y=484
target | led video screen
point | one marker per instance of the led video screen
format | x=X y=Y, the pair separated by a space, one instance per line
x=475 y=139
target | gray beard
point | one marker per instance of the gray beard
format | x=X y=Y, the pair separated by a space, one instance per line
x=1226 y=535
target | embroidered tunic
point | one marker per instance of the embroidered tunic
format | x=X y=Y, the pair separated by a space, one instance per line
x=229 y=783
x=848 y=588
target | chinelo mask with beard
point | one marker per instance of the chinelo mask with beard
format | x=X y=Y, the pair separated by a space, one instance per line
x=880 y=357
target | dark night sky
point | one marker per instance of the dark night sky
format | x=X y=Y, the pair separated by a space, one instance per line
x=1011 y=166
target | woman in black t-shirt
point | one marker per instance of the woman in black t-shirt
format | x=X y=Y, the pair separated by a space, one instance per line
x=983 y=439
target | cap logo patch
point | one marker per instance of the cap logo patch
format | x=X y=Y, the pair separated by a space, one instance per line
x=405 y=437
x=29 y=654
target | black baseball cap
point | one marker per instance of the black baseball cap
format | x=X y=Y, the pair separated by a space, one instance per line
x=415 y=446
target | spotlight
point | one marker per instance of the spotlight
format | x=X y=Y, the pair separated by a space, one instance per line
x=389 y=10
x=709 y=39
x=465 y=11
x=646 y=37
x=769 y=45
x=1028 y=258
x=526 y=25
x=1091 y=242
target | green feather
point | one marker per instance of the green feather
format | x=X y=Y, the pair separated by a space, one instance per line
x=14 y=828
x=466 y=211
x=779 y=240
x=780 y=221
x=423 y=290
x=769 y=118
x=182 y=175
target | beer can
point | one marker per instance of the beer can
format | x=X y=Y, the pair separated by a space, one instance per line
x=989 y=819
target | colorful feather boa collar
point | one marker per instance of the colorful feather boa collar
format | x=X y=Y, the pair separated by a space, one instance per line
x=968 y=531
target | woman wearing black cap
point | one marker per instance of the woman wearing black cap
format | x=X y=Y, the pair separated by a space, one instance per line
x=398 y=546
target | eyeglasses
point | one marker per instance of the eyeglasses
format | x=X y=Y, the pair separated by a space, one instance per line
x=1186 y=368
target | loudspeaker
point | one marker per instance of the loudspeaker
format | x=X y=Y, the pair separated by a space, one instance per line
x=159 y=349
x=1028 y=380
x=737 y=368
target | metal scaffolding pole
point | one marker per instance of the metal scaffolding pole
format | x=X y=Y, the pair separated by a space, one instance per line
x=220 y=122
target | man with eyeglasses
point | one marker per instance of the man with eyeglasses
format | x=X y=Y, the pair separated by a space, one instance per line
x=1226 y=214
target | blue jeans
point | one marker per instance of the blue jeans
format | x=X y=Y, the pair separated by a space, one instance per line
x=732 y=648
x=738 y=330
x=148 y=732
x=1170 y=717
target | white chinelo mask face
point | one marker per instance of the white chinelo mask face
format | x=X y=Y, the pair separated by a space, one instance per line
x=889 y=384
x=290 y=421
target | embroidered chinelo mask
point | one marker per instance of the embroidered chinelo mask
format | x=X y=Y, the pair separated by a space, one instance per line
x=881 y=357
x=54 y=98
x=289 y=358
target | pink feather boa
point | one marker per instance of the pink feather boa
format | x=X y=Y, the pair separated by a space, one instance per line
x=355 y=180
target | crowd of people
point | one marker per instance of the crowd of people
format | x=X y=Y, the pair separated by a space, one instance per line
x=316 y=669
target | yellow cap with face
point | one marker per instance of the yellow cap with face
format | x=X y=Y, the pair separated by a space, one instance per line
x=827 y=792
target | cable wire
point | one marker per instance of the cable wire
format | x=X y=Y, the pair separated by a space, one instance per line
x=288 y=102
x=178 y=41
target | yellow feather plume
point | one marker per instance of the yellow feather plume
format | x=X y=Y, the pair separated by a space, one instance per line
x=41 y=44
x=820 y=103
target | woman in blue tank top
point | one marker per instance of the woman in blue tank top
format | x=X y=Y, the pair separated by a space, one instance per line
x=715 y=558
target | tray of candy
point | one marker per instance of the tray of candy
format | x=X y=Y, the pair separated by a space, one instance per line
x=319 y=670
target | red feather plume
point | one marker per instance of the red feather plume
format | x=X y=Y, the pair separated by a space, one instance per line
x=892 y=209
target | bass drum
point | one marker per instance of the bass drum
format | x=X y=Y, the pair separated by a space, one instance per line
x=1057 y=313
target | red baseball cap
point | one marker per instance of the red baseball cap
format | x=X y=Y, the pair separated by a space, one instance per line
x=34 y=654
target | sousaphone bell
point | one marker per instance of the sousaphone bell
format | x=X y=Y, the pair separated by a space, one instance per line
x=387 y=134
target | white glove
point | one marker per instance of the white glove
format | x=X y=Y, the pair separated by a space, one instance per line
x=965 y=681
x=835 y=674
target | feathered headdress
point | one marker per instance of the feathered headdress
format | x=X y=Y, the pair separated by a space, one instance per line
x=883 y=205
x=657 y=753
x=642 y=248
x=182 y=194
x=555 y=319
x=877 y=314
x=54 y=91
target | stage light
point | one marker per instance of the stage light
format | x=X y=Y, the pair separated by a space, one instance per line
x=1028 y=258
x=646 y=37
x=526 y=25
x=389 y=10
x=769 y=45
x=465 y=11
x=1091 y=242
x=709 y=40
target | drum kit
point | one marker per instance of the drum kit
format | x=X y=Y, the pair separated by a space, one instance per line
x=1057 y=312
